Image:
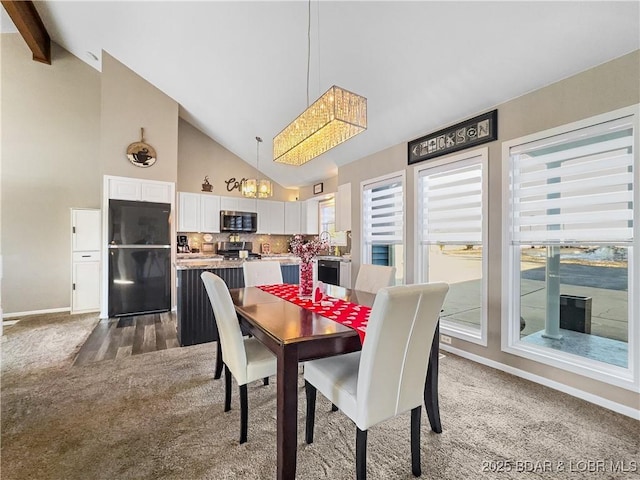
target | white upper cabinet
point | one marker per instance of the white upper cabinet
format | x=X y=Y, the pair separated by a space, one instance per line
x=198 y=212
x=86 y=227
x=210 y=213
x=155 y=192
x=343 y=208
x=188 y=212
x=270 y=217
x=238 y=204
x=123 y=188
x=309 y=217
x=292 y=217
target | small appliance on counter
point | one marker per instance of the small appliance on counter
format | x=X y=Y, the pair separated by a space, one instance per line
x=183 y=244
x=231 y=250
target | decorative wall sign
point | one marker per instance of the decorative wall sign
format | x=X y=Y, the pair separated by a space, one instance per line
x=472 y=132
x=232 y=184
x=317 y=188
x=206 y=186
x=141 y=154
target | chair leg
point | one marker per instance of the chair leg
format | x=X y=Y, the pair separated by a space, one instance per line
x=265 y=380
x=244 y=413
x=431 y=385
x=334 y=408
x=415 y=441
x=310 y=391
x=361 y=454
x=218 y=371
x=227 y=389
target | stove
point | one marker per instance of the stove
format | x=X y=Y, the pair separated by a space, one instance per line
x=231 y=250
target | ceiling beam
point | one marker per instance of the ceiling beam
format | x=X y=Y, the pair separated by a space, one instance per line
x=26 y=19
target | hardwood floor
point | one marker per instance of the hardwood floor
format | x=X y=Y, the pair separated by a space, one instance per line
x=115 y=338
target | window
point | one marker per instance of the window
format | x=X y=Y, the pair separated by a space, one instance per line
x=570 y=242
x=451 y=237
x=327 y=218
x=383 y=223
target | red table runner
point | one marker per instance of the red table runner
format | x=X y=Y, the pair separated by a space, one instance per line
x=347 y=313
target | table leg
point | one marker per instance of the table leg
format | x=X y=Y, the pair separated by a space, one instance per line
x=431 y=385
x=287 y=411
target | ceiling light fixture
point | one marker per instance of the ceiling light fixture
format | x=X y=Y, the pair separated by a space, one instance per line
x=257 y=187
x=335 y=117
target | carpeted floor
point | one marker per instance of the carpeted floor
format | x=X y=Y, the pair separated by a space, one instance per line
x=160 y=416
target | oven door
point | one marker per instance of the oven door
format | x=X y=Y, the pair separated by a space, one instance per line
x=329 y=271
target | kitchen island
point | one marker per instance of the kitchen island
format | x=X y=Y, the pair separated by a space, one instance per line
x=195 y=321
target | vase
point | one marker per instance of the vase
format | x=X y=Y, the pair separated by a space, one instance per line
x=305 y=288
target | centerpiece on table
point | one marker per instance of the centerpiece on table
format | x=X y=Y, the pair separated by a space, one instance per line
x=306 y=250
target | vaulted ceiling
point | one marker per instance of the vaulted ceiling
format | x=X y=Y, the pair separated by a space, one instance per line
x=239 y=69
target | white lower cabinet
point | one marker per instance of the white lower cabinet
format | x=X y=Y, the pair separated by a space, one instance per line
x=85 y=293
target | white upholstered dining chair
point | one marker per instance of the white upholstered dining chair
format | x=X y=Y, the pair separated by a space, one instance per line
x=372 y=278
x=261 y=273
x=246 y=358
x=387 y=377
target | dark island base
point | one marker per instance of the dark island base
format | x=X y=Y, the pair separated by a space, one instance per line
x=196 y=323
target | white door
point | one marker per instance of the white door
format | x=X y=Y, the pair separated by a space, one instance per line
x=292 y=214
x=210 y=213
x=85 y=295
x=85 y=233
x=155 y=192
x=189 y=212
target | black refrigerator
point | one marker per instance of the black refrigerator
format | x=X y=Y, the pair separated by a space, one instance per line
x=139 y=258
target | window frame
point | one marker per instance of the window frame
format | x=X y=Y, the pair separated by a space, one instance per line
x=449 y=328
x=365 y=251
x=627 y=378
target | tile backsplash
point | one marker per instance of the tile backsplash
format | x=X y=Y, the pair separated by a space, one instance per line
x=279 y=243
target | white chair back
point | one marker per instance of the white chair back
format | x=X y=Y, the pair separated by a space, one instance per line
x=395 y=354
x=233 y=350
x=372 y=278
x=261 y=273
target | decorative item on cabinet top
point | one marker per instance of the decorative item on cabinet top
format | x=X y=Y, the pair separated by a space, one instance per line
x=206 y=186
x=141 y=154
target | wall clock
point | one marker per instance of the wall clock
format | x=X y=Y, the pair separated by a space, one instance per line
x=141 y=154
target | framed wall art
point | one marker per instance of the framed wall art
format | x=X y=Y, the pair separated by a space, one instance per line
x=317 y=188
x=472 y=132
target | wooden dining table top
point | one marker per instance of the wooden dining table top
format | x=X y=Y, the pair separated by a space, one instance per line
x=287 y=322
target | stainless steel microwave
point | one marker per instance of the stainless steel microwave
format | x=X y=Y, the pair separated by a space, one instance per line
x=238 y=221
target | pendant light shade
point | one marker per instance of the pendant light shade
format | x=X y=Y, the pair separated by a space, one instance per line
x=335 y=117
x=257 y=187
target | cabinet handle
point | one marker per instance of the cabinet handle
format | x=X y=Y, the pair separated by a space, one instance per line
x=86 y=256
x=74 y=286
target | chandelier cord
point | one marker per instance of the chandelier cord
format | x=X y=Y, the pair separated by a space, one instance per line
x=308 y=48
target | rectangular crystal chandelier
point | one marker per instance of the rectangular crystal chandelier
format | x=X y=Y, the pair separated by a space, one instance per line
x=335 y=117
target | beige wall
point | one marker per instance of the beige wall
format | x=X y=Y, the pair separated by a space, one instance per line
x=329 y=185
x=200 y=156
x=607 y=87
x=128 y=103
x=50 y=163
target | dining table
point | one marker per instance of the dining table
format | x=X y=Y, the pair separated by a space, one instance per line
x=296 y=334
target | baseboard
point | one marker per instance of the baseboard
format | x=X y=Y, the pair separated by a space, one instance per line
x=35 y=312
x=574 y=392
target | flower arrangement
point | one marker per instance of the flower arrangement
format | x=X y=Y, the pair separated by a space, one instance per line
x=307 y=249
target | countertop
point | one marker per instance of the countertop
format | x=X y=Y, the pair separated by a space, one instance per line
x=187 y=263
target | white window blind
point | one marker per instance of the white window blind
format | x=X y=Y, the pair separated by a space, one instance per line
x=574 y=188
x=451 y=205
x=383 y=212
